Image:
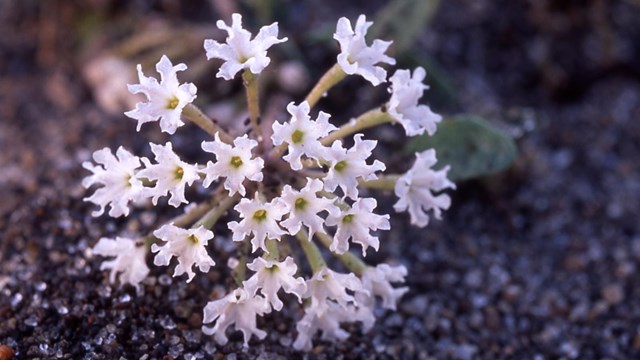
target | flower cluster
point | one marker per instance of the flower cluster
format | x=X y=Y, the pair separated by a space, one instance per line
x=321 y=196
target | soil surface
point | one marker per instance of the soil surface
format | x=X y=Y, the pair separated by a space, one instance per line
x=539 y=261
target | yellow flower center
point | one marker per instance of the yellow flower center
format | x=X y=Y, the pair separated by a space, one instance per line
x=340 y=166
x=260 y=215
x=236 y=161
x=173 y=103
x=297 y=137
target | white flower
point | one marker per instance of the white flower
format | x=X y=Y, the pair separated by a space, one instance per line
x=301 y=134
x=377 y=280
x=356 y=224
x=415 y=189
x=240 y=52
x=358 y=58
x=258 y=219
x=303 y=207
x=328 y=322
x=232 y=162
x=239 y=308
x=118 y=177
x=166 y=99
x=348 y=166
x=187 y=245
x=129 y=260
x=170 y=173
x=272 y=275
x=328 y=284
x=406 y=90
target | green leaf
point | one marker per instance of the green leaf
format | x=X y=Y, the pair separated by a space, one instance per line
x=470 y=145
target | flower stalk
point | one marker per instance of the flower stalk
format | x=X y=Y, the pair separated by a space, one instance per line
x=196 y=116
x=311 y=251
x=250 y=82
x=333 y=76
x=367 y=120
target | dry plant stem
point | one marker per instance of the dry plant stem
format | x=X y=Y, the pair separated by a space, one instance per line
x=311 y=251
x=239 y=272
x=352 y=262
x=211 y=217
x=326 y=82
x=250 y=81
x=369 y=119
x=272 y=250
x=383 y=182
x=195 y=115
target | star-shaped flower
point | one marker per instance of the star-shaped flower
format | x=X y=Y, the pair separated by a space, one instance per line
x=117 y=174
x=356 y=224
x=240 y=52
x=129 y=260
x=358 y=58
x=328 y=284
x=272 y=275
x=415 y=189
x=303 y=207
x=301 y=134
x=233 y=163
x=259 y=219
x=327 y=319
x=347 y=166
x=377 y=280
x=239 y=308
x=187 y=245
x=406 y=90
x=165 y=99
x=171 y=175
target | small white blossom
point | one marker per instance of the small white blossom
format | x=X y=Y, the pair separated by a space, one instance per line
x=303 y=207
x=347 y=166
x=327 y=321
x=165 y=99
x=117 y=174
x=240 y=52
x=239 y=308
x=356 y=224
x=301 y=134
x=415 y=189
x=233 y=163
x=406 y=90
x=258 y=219
x=171 y=175
x=328 y=284
x=358 y=58
x=377 y=280
x=272 y=275
x=187 y=245
x=129 y=260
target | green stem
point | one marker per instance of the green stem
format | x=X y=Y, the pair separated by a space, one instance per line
x=195 y=115
x=272 y=250
x=383 y=182
x=369 y=119
x=326 y=82
x=352 y=262
x=250 y=81
x=212 y=216
x=311 y=251
x=239 y=272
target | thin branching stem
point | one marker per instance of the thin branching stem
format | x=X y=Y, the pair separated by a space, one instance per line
x=311 y=251
x=195 y=115
x=352 y=262
x=326 y=82
x=369 y=119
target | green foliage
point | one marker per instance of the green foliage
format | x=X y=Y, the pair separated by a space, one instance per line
x=471 y=145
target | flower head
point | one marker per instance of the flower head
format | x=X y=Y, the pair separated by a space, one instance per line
x=303 y=207
x=358 y=58
x=327 y=284
x=356 y=224
x=272 y=275
x=240 y=52
x=239 y=308
x=187 y=245
x=117 y=174
x=406 y=90
x=165 y=99
x=232 y=162
x=415 y=189
x=377 y=280
x=301 y=134
x=259 y=219
x=129 y=260
x=347 y=166
x=170 y=173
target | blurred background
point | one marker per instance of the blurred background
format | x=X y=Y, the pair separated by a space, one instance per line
x=537 y=256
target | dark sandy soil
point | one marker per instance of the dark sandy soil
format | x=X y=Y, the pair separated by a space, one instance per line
x=538 y=262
